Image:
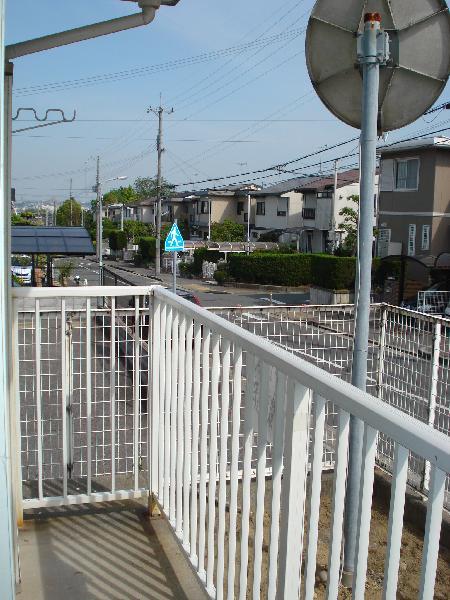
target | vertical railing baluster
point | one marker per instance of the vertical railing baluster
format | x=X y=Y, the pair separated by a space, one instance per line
x=224 y=409
x=261 y=451
x=203 y=453
x=64 y=394
x=433 y=391
x=433 y=525
x=195 y=441
x=136 y=391
x=112 y=391
x=212 y=482
x=365 y=510
x=394 y=537
x=173 y=417
x=168 y=396
x=154 y=399
x=316 y=484
x=337 y=518
x=246 y=476
x=89 y=395
x=180 y=458
x=293 y=494
x=236 y=423
x=187 y=435
x=161 y=344
x=277 y=470
x=37 y=347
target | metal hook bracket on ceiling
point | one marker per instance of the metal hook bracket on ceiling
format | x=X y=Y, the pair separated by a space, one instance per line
x=44 y=120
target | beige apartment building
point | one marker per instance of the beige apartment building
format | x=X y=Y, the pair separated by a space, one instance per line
x=414 y=203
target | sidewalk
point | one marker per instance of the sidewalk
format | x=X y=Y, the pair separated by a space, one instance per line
x=198 y=285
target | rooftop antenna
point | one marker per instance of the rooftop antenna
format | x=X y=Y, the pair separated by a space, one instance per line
x=377 y=65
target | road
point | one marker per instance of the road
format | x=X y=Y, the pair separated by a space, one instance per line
x=89 y=270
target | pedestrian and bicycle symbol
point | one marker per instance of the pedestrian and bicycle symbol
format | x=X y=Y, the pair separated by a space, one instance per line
x=174 y=241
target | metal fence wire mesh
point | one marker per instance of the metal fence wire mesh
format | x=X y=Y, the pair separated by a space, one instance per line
x=83 y=390
x=408 y=361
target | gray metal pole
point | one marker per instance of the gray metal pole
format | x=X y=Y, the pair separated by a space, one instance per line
x=121 y=217
x=158 y=193
x=369 y=130
x=174 y=268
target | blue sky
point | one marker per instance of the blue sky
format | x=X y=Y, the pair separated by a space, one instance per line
x=211 y=131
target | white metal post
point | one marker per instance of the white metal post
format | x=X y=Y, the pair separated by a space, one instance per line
x=370 y=61
x=433 y=391
x=7 y=572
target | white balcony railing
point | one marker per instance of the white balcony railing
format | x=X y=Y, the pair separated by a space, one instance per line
x=226 y=408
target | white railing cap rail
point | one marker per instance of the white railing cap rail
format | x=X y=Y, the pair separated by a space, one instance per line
x=81 y=291
x=418 y=437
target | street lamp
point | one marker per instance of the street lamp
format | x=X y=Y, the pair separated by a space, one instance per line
x=98 y=188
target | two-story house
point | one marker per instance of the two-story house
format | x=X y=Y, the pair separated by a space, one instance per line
x=278 y=208
x=301 y=209
x=317 y=218
x=414 y=204
x=216 y=205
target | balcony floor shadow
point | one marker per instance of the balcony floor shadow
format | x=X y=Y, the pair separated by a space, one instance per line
x=102 y=552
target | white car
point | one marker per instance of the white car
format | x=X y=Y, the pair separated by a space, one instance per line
x=22 y=273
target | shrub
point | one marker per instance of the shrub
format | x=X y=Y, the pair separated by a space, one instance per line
x=147 y=248
x=220 y=277
x=117 y=240
x=327 y=271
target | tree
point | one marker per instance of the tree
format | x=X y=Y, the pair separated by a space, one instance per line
x=135 y=230
x=108 y=227
x=69 y=214
x=117 y=240
x=349 y=226
x=20 y=220
x=228 y=231
x=65 y=269
x=146 y=187
x=122 y=195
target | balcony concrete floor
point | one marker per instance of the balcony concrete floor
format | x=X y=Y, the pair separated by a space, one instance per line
x=103 y=552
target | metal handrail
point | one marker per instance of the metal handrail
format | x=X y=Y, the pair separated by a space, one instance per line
x=407 y=431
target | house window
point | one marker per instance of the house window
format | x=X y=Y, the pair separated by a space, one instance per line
x=412 y=240
x=425 y=237
x=204 y=207
x=309 y=213
x=240 y=208
x=245 y=217
x=260 y=208
x=325 y=194
x=282 y=207
x=407 y=174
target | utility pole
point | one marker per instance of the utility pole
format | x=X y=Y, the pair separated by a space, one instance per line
x=54 y=213
x=159 y=112
x=249 y=205
x=71 y=207
x=99 y=221
x=333 y=208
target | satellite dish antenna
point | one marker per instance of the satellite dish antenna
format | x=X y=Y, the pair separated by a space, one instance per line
x=415 y=74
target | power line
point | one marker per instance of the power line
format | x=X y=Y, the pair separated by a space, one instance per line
x=151 y=69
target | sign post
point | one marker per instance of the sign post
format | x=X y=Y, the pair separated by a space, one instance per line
x=174 y=243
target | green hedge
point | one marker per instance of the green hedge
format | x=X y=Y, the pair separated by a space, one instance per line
x=332 y=272
x=117 y=240
x=147 y=248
